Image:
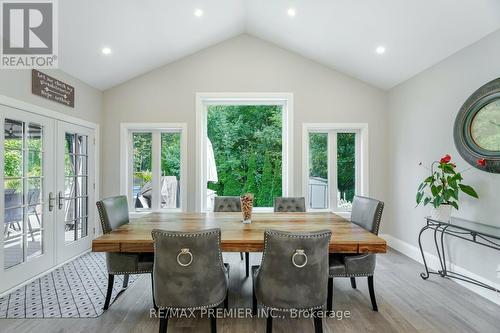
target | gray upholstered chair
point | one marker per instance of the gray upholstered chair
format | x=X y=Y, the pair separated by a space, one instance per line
x=289 y=204
x=232 y=204
x=293 y=273
x=366 y=213
x=227 y=204
x=113 y=213
x=188 y=273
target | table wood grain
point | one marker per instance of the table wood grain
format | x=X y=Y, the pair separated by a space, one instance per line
x=347 y=237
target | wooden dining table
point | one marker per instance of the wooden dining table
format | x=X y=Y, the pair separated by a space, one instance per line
x=135 y=236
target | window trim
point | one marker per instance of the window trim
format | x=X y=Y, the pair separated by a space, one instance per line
x=362 y=158
x=204 y=99
x=126 y=161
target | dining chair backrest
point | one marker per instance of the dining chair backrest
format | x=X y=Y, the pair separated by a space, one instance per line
x=367 y=213
x=113 y=212
x=289 y=204
x=188 y=269
x=227 y=204
x=294 y=270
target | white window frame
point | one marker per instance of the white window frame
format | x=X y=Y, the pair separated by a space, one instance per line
x=361 y=165
x=126 y=159
x=203 y=100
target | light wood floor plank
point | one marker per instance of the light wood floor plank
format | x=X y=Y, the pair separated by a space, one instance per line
x=406 y=304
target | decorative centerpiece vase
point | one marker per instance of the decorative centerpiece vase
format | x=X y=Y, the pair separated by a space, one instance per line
x=246 y=207
x=441 y=213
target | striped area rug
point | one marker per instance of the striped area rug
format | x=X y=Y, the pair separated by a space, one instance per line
x=74 y=290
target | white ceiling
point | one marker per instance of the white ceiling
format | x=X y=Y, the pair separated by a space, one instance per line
x=342 y=34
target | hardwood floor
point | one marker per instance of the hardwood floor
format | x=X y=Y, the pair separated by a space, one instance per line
x=406 y=304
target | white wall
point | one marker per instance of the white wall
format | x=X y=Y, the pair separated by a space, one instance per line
x=16 y=83
x=422 y=112
x=244 y=64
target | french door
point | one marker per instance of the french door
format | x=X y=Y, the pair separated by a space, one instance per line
x=46 y=187
x=27 y=184
x=75 y=186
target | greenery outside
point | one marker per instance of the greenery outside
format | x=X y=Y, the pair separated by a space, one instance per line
x=247 y=143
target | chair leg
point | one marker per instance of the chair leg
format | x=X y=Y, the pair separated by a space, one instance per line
x=318 y=323
x=269 y=324
x=163 y=324
x=353 y=282
x=241 y=255
x=226 y=301
x=372 y=293
x=247 y=263
x=125 y=281
x=213 y=324
x=111 y=281
x=254 y=301
x=153 y=293
x=329 y=299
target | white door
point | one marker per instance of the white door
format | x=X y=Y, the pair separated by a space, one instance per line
x=26 y=186
x=75 y=190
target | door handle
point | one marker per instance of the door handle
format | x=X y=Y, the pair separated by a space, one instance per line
x=60 y=199
x=51 y=201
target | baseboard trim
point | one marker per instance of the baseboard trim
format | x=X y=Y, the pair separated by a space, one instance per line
x=8 y=291
x=413 y=252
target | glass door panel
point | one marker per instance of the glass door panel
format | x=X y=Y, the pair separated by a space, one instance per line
x=142 y=144
x=75 y=199
x=23 y=179
x=318 y=171
x=76 y=189
x=27 y=179
x=170 y=170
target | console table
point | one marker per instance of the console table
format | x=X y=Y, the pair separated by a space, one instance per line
x=474 y=232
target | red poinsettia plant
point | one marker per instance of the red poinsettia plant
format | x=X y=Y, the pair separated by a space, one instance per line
x=444 y=184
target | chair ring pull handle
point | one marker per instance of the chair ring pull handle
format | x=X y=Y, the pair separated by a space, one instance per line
x=185 y=252
x=299 y=253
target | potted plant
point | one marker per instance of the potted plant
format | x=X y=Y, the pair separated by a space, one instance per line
x=442 y=187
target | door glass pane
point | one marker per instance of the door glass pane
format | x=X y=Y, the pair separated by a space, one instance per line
x=75 y=194
x=318 y=170
x=13 y=237
x=23 y=184
x=34 y=229
x=170 y=170
x=142 y=166
x=346 y=169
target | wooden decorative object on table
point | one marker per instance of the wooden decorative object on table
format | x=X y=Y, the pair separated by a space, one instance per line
x=246 y=207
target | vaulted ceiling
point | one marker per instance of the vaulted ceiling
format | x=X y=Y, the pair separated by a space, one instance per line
x=342 y=34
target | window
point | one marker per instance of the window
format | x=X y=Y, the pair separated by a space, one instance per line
x=244 y=145
x=155 y=167
x=334 y=165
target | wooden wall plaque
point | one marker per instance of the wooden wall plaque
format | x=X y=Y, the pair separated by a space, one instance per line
x=50 y=88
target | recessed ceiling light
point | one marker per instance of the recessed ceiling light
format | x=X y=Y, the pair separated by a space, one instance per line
x=198 y=13
x=291 y=12
x=380 y=50
x=106 y=50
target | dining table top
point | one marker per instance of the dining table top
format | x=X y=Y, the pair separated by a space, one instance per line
x=136 y=236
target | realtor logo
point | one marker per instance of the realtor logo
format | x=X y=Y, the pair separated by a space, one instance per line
x=29 y=34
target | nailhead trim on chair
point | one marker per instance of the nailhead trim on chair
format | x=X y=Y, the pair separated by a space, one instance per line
x=287 y=310
x=378 y=213
x=100 y=209
x=264 y=255
x=287 y=236
x=105 y=230
x=349 y=275
x=198 y=234
x=134 y=272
